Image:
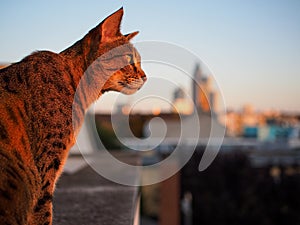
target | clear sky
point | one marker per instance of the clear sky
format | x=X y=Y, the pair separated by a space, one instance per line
x=252 y=47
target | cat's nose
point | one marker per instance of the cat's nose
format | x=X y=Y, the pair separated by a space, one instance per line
x=144 y=78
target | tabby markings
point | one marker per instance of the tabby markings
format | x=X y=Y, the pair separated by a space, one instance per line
x=12 y=114
x=47 y=198
x=3 y=133
x=5 y=194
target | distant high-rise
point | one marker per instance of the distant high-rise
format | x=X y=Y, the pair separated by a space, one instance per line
x=203 y=95
x=195 y=85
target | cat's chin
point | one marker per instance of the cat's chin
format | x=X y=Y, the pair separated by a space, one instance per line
x=126 y=91
x=129 y=91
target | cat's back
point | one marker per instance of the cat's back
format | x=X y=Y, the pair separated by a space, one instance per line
x=37 y=74
x=31 y=68
x=29 y=91
x=36 y=96
x=21 y=87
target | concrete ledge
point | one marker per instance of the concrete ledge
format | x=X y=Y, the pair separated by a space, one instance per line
x=84 y=197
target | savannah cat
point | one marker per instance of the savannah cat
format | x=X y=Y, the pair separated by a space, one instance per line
x=43 y=101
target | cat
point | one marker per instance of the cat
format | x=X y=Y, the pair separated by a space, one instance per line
x=43 y=101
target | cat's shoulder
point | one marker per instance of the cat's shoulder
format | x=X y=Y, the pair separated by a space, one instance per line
x=42 y=56
x=41 y=61
x=34 y=65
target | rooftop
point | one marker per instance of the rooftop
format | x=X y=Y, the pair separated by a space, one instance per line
x=82 y=196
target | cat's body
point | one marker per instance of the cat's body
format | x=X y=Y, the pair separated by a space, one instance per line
x=43 y=101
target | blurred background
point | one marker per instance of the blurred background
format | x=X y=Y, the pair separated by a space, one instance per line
x=243 y=76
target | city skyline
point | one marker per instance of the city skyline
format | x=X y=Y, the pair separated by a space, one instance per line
x=252 y=48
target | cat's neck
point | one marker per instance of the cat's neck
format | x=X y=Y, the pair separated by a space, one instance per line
x=87 y=91
x=75 y=59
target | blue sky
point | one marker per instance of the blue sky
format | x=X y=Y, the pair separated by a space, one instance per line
x=252 y=47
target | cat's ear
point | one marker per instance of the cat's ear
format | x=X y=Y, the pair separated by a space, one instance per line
x=110 y=27
x=131 y=35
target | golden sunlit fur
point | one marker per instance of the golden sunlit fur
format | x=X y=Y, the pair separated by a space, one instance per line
x=43 y=101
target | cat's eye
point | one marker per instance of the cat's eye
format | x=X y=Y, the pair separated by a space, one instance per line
x=130 y=59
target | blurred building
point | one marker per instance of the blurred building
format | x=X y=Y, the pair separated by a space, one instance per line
x=266 y=126
x=204 y=96
x=2 y=65
x=181 y=104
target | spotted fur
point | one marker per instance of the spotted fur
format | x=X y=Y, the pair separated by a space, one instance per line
x=43 y=101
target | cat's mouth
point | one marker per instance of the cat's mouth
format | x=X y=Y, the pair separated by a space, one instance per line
x=126 y=86
x=132 y=86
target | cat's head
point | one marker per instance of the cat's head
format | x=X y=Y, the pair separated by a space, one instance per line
x=117 y=57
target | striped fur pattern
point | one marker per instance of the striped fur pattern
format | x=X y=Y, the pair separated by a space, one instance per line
x=37 y=129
